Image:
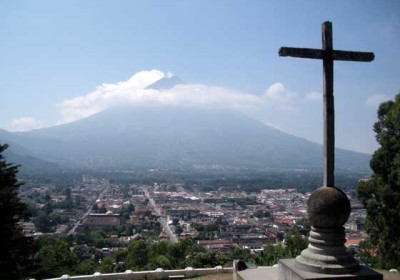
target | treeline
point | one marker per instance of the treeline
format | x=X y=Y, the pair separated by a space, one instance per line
x=56 y=255
x=256 y=181
x=244 y=180
x=248 y=181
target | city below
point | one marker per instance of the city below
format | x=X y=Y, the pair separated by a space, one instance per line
x=222 y=220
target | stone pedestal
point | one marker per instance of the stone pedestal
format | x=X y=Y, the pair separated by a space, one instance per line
x=326 y=253
x=326 y=257
x=328 y=210
x=287 y=270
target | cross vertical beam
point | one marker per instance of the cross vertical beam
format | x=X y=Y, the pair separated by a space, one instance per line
x=329 y=110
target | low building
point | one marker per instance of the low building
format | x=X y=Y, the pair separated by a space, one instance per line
x=102 y=220
x=222 y=246
x=184 y=213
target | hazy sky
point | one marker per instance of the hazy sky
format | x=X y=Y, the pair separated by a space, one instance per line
x=64 y=60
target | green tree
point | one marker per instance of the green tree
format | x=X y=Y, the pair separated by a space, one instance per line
x=272 y=254
x=136 y=258
x=106 y=265
x=160 y=261
x=46 y=262
x=42 y=222
x=240 y=254
x=381 y=194
x=86 y=267
x=14 y=246
x=178 y=229
x=55 y=259
x=68 y=202
x=295 y=244
x=82 y=252
x=98 y=238
x=158 y=249
x=206 y=259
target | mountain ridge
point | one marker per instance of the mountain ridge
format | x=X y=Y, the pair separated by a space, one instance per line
x=176 y=137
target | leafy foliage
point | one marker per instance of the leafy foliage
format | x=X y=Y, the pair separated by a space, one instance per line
x=14 y=246
x=53 y=257
x=381 y=195
x=106 y=265
x=295 y=244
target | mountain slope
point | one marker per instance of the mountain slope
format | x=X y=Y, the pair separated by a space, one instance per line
x=166 y=83
x=166 y=137
x=16 y=154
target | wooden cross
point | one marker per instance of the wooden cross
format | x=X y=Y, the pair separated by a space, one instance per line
x=328 y=55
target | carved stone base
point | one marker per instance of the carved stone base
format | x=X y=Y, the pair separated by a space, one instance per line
x=326 y=253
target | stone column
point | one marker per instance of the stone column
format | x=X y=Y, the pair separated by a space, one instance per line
x=326 y=257
x=328 y=210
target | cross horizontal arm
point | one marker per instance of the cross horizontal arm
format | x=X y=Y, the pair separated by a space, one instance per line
x=353 y=56
x=321 y=54
x=302 y=52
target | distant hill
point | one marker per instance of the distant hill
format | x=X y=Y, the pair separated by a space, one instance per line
x=16 y=154
x=171 y=137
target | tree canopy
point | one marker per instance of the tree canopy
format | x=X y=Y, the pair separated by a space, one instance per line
x=14 y=246
x=381 y=194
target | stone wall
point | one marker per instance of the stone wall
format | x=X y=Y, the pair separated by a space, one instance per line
x=157 y=274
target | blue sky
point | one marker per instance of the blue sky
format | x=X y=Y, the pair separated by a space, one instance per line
x=64 y=60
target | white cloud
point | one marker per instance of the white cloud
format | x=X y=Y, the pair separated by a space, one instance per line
x=277 y=100
x=25 y=124
x=203 y=95
x=108 y=95
x=134 y=91
x=278 y=92
x=375 y=100
x=314 y=96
